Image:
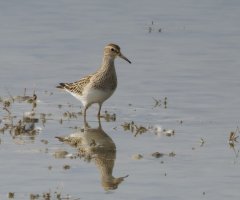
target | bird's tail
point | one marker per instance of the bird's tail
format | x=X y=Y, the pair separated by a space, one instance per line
x=61 y=86
x=61 y=139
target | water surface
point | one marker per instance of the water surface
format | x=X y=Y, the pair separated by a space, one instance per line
x=187 y=51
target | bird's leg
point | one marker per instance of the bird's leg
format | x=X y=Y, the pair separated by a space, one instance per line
x=99 y=123
x=86 y=123
x=85 y=112
x=99 y=110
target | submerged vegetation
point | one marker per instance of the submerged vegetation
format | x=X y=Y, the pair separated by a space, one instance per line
x=232 y=141
x=109 y=117
x=135 y=129
x=154 y=155
x=140 y=129
x=233 y=136
x=160 y=102
x=23 y=125
x=153 y=28
x=56 y=195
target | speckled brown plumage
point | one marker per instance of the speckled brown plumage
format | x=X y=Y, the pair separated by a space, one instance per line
x=77 y=86
x=97 y=87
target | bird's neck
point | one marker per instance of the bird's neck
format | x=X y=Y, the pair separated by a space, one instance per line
x=107 y=63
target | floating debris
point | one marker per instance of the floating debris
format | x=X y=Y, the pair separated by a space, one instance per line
x=202 y=142
x=153 y=27
x=66 y=167
x=51 y=196
x=34 y=196
x=11 y=195
x=157 y=154
x=172 y=154
x=137 y=156
x=24 y=97
x=47 y=196
x=232 y=139
x=109 y=117
x=128 y=126
x=165 y=102
x=132 y=127
x=160 y=102
x=158 y=130
x=140 y=129
x=168 y=132
x=25 y=125
x=32 y=99
x=6 y=103
x=60 y=154
x=30 y=119
x=72 y=115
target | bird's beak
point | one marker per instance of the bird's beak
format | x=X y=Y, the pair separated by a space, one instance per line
x=123 y=57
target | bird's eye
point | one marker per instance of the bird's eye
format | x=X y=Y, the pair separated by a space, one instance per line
x=112 y=49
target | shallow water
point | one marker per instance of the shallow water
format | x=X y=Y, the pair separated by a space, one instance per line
x=193 y=61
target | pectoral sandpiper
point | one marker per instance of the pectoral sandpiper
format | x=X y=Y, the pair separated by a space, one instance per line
x=99 y=86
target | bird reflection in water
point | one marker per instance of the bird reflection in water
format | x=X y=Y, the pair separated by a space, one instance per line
x=95 y=145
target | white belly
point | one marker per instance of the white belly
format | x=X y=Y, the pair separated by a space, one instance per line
x=91 y=95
